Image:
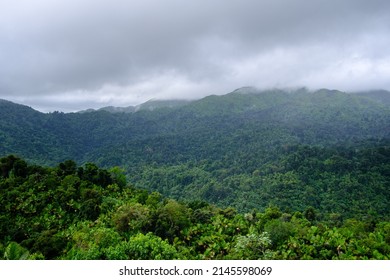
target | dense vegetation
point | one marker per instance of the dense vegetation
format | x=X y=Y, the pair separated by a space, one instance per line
x=85 y=212
x=246 y=149
x=233 y=126
x=350 y=182
x=251 y=174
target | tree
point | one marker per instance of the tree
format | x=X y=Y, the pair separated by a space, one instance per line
x=131 y=218
x=253 y=246
x=171 y=219
x=150 y=247
x=14 y=251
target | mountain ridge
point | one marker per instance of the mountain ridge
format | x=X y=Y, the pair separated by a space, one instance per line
x=214 y=148
x=380 y=96
x=295 y=112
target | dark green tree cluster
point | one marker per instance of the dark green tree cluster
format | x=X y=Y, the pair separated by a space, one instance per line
x=350 y=181
x=85 y=212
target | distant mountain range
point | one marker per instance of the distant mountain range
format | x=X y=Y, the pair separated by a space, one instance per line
x=149 y=105
x=300 y=115
x=246 y=149
x=380 y=96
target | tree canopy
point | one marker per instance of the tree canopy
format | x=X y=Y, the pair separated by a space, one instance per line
x=85 y=212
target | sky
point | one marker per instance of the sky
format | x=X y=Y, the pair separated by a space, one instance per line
x=69 y=55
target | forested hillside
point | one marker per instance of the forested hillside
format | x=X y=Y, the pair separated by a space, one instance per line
x=179 y=131
x=248 y=149
x=85 y=212
x=248 y=175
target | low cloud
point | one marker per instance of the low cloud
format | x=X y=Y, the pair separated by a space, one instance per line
x=72 y=55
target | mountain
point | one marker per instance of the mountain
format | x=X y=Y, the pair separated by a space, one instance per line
x=380 y=96
x=148 y=106
x=247 y=149
x=23 y=131
x=154 y=104
x=112 y=109
x=187 y=130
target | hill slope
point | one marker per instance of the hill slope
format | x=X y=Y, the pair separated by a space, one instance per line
x=71 y=212
x=239 y=149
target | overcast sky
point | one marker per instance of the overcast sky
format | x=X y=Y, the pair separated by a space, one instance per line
x=69 y=55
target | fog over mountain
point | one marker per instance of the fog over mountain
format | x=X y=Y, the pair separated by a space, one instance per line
x=72 y=55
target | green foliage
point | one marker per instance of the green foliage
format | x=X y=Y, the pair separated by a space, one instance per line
x=14 y=251
x=253 y=246
x=91 y=242
x=265 y=175
x=49 y=243
x=118 y=176
x=131 y=218
x=279 y=231
x=172 y=218
x=150 y=247
x=71 y=212
x=247 y=149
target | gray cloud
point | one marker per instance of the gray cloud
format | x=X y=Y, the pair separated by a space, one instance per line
x=70 y=55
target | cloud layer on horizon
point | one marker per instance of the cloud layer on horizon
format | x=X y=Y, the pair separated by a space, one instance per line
x=72 y=55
